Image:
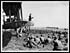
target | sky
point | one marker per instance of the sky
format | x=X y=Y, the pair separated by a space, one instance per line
x=46 y=13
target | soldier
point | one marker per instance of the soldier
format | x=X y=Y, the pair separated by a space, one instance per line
x=30 y=18
x=42 y=40
x=28 y=44
x=57 y=44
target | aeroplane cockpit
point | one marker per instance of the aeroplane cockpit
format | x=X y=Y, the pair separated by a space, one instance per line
x=13 y=9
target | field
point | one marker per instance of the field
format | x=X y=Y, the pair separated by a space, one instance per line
x=14 y=43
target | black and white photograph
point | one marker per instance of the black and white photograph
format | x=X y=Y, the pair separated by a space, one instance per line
x=34 y=26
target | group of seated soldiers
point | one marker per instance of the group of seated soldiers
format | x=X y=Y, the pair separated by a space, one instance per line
x=58 y=41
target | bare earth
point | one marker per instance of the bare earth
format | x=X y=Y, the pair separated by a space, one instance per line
x=17 y=44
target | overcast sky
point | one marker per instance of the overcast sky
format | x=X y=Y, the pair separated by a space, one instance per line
x=47 y=13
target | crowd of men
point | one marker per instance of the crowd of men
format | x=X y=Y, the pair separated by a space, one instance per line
x=58 y=41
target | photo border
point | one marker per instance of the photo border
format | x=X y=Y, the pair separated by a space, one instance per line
x=27 y=50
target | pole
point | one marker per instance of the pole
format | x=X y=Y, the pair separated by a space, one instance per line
x=10 y=15
x=21 y=13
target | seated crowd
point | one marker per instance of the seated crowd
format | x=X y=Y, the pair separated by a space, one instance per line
x=58 y=40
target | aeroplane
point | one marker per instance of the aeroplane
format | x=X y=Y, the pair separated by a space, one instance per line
x=13 y=9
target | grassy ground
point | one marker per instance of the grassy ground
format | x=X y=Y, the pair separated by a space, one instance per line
x=16 y=44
